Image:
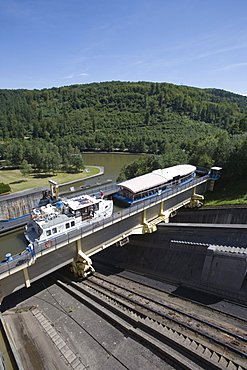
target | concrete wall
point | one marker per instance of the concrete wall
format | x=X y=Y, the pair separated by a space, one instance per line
x=225 y=267
x=178 y=254
x=20 y=203
x=218 y=215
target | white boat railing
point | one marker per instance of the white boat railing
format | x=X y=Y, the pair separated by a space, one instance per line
x=66 y=238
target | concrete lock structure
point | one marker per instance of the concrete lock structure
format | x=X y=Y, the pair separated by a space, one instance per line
x=78 y=246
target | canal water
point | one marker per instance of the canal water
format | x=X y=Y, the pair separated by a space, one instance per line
x=111 y=162
x=15 y=243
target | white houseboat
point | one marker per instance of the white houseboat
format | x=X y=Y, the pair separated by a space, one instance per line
x=60 y=216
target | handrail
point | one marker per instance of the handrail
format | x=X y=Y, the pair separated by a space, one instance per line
x=30 y=252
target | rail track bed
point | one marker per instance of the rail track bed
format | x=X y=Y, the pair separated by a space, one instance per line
x=186 y=335
x=117 y=319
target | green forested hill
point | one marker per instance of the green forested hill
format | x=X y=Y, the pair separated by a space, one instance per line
x=203 y=126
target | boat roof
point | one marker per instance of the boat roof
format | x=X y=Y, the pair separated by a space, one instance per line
x=80 y=202
x=156 y=178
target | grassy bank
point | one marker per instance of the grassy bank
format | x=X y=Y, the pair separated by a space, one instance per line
x=227 y=193
x=17 y=182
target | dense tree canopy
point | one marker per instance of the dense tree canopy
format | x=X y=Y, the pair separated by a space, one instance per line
x=49 y=128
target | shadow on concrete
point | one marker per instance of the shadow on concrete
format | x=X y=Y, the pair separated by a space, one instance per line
x=21 y=295
x=105 y=268
x=195 y=295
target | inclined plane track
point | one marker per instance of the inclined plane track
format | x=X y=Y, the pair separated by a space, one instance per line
x=188 y=340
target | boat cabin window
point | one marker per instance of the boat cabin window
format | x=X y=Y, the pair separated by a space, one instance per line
x=67 y=225
x=48 y=232
x=84 y=211
x=54 y=230
x=126 y=193
x=72 y=223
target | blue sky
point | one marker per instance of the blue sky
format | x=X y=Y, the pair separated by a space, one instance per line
x=200 y=43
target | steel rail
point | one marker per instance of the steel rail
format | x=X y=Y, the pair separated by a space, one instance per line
x=211 y=338
x=174 y=309
x=201 y=355
x=138 y=329
x=235 y=303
